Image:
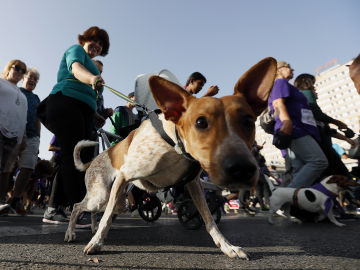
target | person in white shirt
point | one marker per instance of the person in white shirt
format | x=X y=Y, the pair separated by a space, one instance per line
x=13 y=112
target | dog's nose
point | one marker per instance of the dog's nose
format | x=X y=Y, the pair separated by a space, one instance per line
x=239 y=167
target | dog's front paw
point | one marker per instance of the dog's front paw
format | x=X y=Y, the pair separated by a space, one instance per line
x=340 y=224
x=92 y=248
x=234 y=251
x=238 y=252
x=70 y=236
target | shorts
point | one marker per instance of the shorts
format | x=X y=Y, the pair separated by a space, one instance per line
x=7 y=146
x=28 y=157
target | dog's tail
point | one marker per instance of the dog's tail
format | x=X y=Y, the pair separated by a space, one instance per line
x=77 y=159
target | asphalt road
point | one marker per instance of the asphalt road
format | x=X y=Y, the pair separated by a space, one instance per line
x=25 y=243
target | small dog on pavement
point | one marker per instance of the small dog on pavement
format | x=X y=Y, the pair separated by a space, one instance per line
x=320 y=198
x=216 y=132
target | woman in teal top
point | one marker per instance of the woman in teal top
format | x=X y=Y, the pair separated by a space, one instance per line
x=70 y=112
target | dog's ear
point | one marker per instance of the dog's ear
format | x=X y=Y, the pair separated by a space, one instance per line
x=170 y=97
x=354 y=71
x=342 y=181
x=337 y=179
x=256 y=84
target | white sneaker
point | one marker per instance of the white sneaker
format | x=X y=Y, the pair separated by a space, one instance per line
x=280 y=213
x=4 y=206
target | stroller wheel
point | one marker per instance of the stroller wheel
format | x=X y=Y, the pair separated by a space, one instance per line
x=150 y=208
x=189 y=216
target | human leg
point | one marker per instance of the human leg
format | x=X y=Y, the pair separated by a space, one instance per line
x=71 y=121
x=27 y=160
x=306 y=151
x=7 y=146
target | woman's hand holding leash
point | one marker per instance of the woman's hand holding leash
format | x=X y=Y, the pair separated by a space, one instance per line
x=97 y=82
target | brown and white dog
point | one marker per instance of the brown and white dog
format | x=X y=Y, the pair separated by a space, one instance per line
x=319 y=198
x=217 y=132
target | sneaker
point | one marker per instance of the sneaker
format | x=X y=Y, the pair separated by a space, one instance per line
x=84 y=221
x=250 y=210
x=279 y=213
x=54 y=217
x=3 y=206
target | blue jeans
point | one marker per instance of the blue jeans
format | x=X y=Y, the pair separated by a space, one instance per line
x=307 y=159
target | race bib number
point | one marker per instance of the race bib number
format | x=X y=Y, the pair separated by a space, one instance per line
x=307 y=117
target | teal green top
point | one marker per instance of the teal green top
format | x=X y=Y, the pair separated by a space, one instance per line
x=319 y=115
x=309 y=94
x=68 y=85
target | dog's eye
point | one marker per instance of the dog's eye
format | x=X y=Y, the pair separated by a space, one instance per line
x=248 y=122
x=201 y=122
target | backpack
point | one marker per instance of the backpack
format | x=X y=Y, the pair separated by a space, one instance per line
x=267 y=121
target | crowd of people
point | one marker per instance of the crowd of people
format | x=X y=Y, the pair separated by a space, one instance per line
x=76 y=104
x=302 y=133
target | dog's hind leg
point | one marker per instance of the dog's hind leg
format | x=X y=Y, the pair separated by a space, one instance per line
x=197 y=194
x=98 y=239
x=77 y=209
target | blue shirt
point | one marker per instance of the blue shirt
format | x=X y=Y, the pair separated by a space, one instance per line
x=338 y=149
x=298 y=109
x=68 y=85
x=31 y=125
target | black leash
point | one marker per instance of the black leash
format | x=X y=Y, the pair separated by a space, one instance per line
x=157 y=124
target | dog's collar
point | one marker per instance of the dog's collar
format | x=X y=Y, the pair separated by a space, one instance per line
x=195 y=167
x=180 y=148
x=178 y=145
x=295 y=197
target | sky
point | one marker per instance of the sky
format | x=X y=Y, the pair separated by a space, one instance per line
x=221 y=39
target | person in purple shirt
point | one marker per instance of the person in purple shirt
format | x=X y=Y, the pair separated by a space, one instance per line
x=294 y=118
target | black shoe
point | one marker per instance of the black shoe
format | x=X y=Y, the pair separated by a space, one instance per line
x=250 y=210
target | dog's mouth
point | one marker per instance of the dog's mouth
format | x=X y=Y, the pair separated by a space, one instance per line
x=237 y=181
